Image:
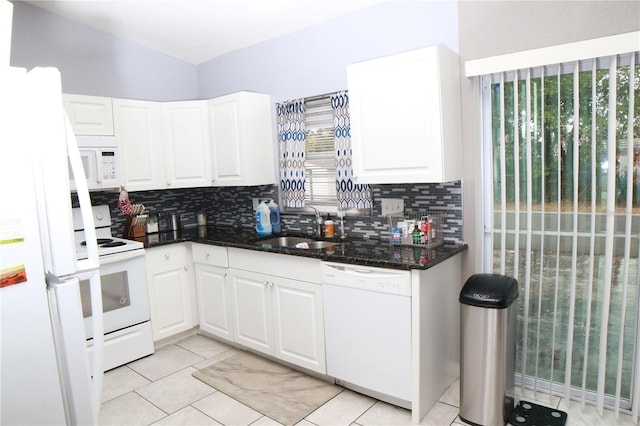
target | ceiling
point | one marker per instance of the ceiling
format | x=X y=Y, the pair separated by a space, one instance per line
x=196 y=31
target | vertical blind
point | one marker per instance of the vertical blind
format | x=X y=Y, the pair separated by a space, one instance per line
x=563 y=217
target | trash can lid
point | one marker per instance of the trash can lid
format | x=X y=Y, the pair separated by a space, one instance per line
x=489 y=291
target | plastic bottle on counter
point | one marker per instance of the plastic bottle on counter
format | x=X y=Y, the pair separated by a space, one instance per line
x=432 y=230
x=415 y=235
x=274 y=216
x=263 y=220
x=329 y=227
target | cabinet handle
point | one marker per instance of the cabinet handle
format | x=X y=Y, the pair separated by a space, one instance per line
x=224 y=275
x=186 y=267
x=167 y=256
x=168 y=183
x=207 y=255
x=266 y=283
x=271 y=284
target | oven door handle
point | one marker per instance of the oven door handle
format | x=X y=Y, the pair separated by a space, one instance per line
x=121 y=256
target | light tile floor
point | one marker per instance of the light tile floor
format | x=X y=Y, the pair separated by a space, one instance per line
x=160 y=390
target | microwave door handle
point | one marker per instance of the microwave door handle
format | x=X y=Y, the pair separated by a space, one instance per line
x=92 y=262
x=99 y=169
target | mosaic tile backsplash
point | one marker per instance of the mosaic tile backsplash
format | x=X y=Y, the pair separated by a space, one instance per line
x=232 y=206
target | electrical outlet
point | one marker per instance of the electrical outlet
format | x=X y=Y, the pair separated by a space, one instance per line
x=392 y=206
x=255 y=201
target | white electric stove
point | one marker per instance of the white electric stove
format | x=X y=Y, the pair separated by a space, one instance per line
x=125 y=297
x=107 y=243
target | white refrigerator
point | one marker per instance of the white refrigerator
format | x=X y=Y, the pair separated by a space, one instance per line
x=45 y=376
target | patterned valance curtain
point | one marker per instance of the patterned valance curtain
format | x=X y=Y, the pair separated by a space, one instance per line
x=349 y=194
x=291 y=137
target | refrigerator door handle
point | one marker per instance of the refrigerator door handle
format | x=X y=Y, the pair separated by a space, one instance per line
x=82 y=189
x=92 y=262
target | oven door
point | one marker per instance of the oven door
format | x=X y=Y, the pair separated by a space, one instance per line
x=125 y=298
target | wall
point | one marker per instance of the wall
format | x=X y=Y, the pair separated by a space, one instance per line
x=232 y=206
x=313 y=61
x=96 y=63
x=489 y=28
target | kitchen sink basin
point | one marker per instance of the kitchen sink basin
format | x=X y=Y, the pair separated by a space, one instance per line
x=296 y=242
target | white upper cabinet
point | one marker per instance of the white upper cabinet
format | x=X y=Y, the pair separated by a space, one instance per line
x=138 y=129
x=89 y=115
x=242 y=139
x=405 y=117
x=225 y=141
x=187 y=152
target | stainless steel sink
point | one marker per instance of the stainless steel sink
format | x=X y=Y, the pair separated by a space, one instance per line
x=296 y=242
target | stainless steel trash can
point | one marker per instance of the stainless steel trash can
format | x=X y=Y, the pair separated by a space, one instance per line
x=487 y=348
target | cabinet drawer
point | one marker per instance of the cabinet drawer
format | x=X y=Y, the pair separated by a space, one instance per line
x=210 y=255
x=167 y=257
x=292 y=267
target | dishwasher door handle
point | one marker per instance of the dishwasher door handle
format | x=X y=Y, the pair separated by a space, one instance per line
x=337 y=270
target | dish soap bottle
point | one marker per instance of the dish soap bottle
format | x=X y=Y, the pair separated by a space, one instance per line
x=263 y=221
x=274 y=217
x=328 y=227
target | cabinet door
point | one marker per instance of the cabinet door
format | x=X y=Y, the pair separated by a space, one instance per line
x=299 y=324
x=405 y=124
x=252 y=310
x=186 y=144
x=170 y=292
x=214 y=301
x=138 y=131
x=89 y=115
x=242 y=139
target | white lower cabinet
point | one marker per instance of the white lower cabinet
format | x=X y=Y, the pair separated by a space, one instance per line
x=252 y=310
x=298 y=323
x=214 y=292
x=276 y=315
x=214 y=301
x=267 y=302
x=172 y=296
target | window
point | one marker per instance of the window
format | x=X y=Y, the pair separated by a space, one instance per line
x=314 y=137
x=320 y=162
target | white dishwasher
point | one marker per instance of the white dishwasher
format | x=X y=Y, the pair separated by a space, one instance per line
x=367 y=319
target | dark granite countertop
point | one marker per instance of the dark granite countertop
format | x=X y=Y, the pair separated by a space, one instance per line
x=370 y=252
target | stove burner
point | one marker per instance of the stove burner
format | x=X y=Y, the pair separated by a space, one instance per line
x=100 y=241
x=113 y=244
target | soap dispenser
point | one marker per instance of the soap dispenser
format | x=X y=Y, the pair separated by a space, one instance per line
x=329 y=227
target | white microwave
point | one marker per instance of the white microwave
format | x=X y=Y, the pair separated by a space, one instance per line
x=101 y=162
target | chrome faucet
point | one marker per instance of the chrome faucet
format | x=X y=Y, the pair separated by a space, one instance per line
x=318 y=221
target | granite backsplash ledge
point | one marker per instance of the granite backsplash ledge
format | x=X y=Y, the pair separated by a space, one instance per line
x=233 y=206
